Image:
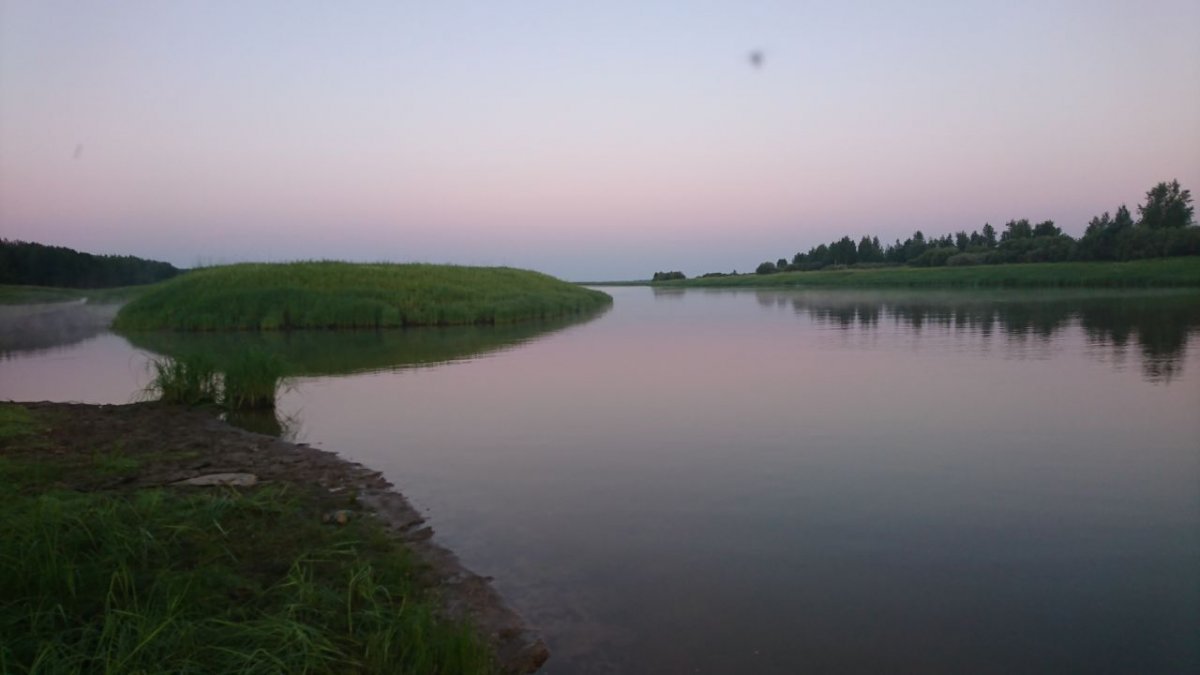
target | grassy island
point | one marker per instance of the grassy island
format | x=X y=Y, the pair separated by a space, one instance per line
x=263 y=296
x=1163 y=273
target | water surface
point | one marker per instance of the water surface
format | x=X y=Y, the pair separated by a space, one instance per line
x=787 y=481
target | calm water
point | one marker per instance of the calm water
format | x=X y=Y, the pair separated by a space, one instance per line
x=781 y=482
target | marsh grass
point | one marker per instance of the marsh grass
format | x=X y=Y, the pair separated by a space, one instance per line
x=201 y=580
x=285 y=296
x=190 y=381
x=250 y=381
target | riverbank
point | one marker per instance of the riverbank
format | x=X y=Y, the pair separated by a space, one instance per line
x=305 y=562
x=1160 y=273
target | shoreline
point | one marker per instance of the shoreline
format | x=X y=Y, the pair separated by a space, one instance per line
x=191 y=443
x=1178 y=272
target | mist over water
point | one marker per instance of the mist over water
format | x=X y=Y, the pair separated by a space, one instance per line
x=789 y=481
x=41 y=327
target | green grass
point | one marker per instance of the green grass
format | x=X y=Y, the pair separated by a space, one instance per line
x=252 y=381
x=256 y=296
x=16 y=423
x=191 y=381
x=1168 y=272
x=201 y=580
x=249 y=380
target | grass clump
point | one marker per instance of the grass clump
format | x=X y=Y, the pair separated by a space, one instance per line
x=261 y=296
x=1162 y=273
x=191 y=381
x=250 y=381
x=202 y=580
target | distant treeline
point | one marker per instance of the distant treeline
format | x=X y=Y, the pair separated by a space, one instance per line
x=1164 y=228
x=30 y=264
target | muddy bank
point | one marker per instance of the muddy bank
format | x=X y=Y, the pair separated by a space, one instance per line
x=175 y=444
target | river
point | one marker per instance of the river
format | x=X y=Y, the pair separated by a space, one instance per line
x=778 y=481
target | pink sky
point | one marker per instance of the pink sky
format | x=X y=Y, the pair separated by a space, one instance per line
x=607 y=142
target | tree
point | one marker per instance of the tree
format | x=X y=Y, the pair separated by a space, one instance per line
x=820 y=254
x=1017 y=229
x=869 y=250
x=36 y=264
x=961 y=240
x=781 y=263
x=1046 y=229
x=1123 y=221
x=989 y=235
x=766 y=268
x=1167 y=206
x=844 y=252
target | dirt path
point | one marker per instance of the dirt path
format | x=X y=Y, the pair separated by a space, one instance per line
x=171 y=444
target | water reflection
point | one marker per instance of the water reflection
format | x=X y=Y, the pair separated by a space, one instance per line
x=318 y=353
x=327 y=353
x=1158 y=323
x=272 y=422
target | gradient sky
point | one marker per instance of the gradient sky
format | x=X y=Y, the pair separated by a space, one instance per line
x=598 y=142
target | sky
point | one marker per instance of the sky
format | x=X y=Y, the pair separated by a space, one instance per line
x=591 y=141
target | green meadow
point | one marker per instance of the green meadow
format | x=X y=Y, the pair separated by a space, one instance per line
x=328 y=295
x=1159 y=273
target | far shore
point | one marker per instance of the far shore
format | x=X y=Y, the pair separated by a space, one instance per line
x=1183 y=272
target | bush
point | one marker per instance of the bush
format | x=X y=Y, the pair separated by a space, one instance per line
x=964 y=259
x=934 y=257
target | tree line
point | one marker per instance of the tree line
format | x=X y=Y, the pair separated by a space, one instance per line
x=1165 y=227
x=32 y=264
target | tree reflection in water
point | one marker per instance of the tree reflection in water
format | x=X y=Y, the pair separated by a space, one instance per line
x=1158 y=323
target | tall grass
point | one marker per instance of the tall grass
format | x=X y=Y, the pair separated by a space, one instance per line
x=174 y=580
x=192 y=381
x=257 y=296
x=210 y=582
x=251 y=381
x=1167 y=272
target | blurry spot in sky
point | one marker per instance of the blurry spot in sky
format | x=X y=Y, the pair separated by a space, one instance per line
x=756 y=58
x=78 y=150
